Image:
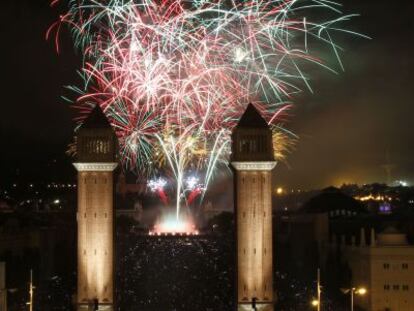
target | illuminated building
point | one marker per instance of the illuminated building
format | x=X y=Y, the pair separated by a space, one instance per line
x=3 y=289
x=96 y=149
x=385 y=267
x=253 y=161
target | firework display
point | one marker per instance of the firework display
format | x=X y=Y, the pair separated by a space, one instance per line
x=174 y=76
x=157 y=186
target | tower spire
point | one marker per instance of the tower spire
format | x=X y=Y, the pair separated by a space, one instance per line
x=388 y=167
x=96 y=119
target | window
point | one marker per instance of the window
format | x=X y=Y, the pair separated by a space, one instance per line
x=386 y=287
x=405 y=287
x=405 y=266
x=97 y=145
x=386 y=266
x=262 y=143
x=248 y=145
x=396 y=287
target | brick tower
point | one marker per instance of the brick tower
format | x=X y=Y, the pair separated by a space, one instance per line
x=96 y=160
x=253 y=161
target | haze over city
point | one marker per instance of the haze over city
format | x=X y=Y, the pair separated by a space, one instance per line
x=209 y=155
x=351 y=125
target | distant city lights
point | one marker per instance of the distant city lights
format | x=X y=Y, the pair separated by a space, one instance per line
x=372 y=197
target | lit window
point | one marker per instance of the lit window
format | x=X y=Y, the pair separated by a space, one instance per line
x=248 y=144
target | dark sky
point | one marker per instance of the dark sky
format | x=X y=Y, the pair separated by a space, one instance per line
x=346 y=126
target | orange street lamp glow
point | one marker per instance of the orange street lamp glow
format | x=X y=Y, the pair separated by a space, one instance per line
x=361 y=291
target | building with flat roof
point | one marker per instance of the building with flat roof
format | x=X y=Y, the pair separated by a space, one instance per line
x=385 y=266
x=3 y=290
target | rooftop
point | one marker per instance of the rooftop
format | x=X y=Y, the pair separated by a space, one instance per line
x=96 y=119
x=252 y=118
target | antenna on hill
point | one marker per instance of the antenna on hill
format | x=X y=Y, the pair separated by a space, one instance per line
x=388 y=167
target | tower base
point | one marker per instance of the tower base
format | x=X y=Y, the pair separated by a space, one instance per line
x=91 y=307
x=260 y=306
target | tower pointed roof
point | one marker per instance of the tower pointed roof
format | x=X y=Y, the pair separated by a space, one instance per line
x=96 y=119
x=252 y=118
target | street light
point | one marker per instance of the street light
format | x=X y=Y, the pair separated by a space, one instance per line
x=317 y=301
x=355 y=291
x=361 y=291
x=31 y=289
x=314 y=303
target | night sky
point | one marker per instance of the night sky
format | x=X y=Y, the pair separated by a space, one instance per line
x=346 y=127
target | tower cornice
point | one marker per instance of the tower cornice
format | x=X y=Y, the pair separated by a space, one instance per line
x=254 y=166
x=95 y=167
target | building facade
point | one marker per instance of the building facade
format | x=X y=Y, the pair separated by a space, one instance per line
x=253 y=161
x=96 y=149
x=3 y=289
x=385 y=267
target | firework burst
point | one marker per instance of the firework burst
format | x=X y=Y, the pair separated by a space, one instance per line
x=174 y=76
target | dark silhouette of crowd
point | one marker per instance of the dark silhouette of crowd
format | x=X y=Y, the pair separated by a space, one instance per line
x=175 y=273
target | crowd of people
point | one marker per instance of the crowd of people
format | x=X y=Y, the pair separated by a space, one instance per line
x=175 y=273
